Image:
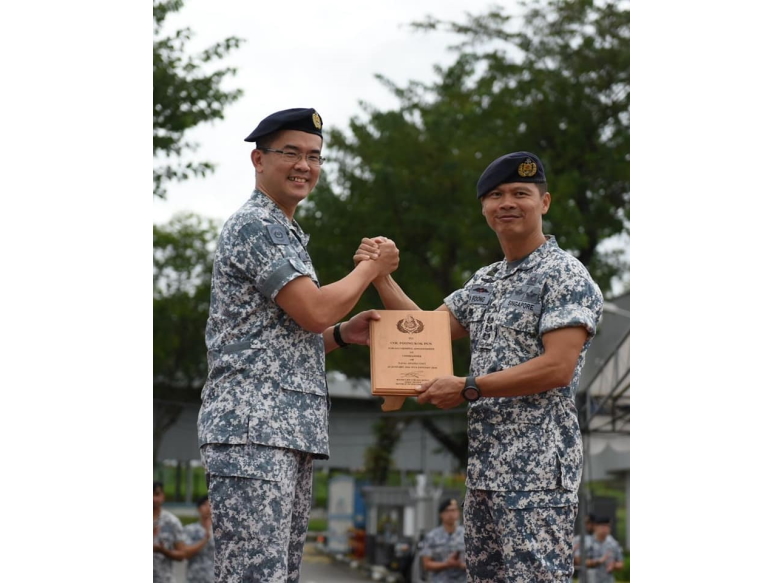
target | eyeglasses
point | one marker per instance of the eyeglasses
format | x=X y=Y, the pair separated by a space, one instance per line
x=294 y=157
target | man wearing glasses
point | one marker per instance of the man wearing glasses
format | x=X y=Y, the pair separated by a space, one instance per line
x=263 y=418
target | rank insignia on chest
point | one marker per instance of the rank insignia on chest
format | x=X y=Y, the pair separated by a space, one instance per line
x=278 y=234
x=479 y=294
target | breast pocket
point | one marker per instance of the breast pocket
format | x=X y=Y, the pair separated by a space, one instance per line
x=519 y=328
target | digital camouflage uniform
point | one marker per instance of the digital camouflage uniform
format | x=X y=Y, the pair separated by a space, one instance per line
x=201 y=568
x=438 y=545
x=264 y=406
x=525 y=453
x=596 y=549
x=170 y=531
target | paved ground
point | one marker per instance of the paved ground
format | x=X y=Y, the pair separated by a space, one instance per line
x=317 y=567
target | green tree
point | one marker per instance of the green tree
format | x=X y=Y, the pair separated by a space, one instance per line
x=182 y=268
x=378 y=457
x=185 y=94
x=553 y=79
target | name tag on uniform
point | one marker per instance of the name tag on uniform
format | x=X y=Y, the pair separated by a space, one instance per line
x=524 y=300
x=479 y=294
x=278 y=234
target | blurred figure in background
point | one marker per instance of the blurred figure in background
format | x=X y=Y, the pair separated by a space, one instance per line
x=168 y=538
x=443 y=554
x=603 y=554
x=200 y=551
x=576 y=546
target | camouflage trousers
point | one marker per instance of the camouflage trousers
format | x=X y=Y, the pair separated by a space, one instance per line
x=259 y=525
x=517 y=545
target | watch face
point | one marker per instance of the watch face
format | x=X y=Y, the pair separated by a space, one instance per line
x=470 y=393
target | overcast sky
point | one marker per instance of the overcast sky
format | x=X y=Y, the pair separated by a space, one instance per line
x=302 y=54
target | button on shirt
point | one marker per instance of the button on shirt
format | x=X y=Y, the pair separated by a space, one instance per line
x=529 y=446
x=266 y=381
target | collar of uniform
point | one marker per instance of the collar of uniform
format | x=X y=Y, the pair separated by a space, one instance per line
x=532 y=259
x=278 y=215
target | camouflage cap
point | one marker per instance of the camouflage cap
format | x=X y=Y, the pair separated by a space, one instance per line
x=514 y=167
x=299 y=118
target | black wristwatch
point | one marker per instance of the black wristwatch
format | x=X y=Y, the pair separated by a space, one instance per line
x=471 y=392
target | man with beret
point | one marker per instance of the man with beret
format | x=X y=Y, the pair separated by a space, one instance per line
x=443 y=553
x=603 y=554
x=264 y=413
x=530 y=319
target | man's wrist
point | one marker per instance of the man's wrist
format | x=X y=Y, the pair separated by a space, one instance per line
x=338 y=338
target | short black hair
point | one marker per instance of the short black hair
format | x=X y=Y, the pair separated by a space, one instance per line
x=202 y=500
x=265 y=142
x=445 y=504
x=157 y=484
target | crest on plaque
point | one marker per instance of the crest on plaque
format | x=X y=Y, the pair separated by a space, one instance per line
x=410 y=325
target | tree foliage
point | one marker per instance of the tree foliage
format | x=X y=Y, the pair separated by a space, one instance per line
x=182 y=268
x=552 y=79
x=185 y=94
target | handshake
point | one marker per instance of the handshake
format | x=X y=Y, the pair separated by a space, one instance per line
x=381 y=254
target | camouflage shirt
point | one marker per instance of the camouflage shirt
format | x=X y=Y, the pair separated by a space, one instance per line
x=266 y=381
x=438 y=545
x=609 y=549
x=201 y=568
x=168 y=531
x=529 y=446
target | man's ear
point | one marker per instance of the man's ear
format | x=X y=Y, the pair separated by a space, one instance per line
x=546 y=202
x=256 y=156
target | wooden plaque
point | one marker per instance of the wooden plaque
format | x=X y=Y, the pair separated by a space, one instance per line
x=408 y=348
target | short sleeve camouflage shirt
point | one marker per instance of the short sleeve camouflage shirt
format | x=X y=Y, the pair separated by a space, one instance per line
x=168 y=531
x=530 y=445
x=266 y=381
x=438 y=545
x=201 y=568
x=610 y=551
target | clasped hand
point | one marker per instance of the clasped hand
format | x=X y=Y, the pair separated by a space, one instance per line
x=382 y=251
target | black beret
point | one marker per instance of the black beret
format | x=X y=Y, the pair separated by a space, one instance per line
x=299 y=118
x=514 y=167
x=602 y=520
x=445 y=504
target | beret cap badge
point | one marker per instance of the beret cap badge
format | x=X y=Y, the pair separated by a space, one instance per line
x=300 y=119
x=527 y=168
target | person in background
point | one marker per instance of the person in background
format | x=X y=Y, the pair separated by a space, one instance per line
x=443 y=553
x=603 y=554
x=200 y=549
x=589 y=523
x=168 y=538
